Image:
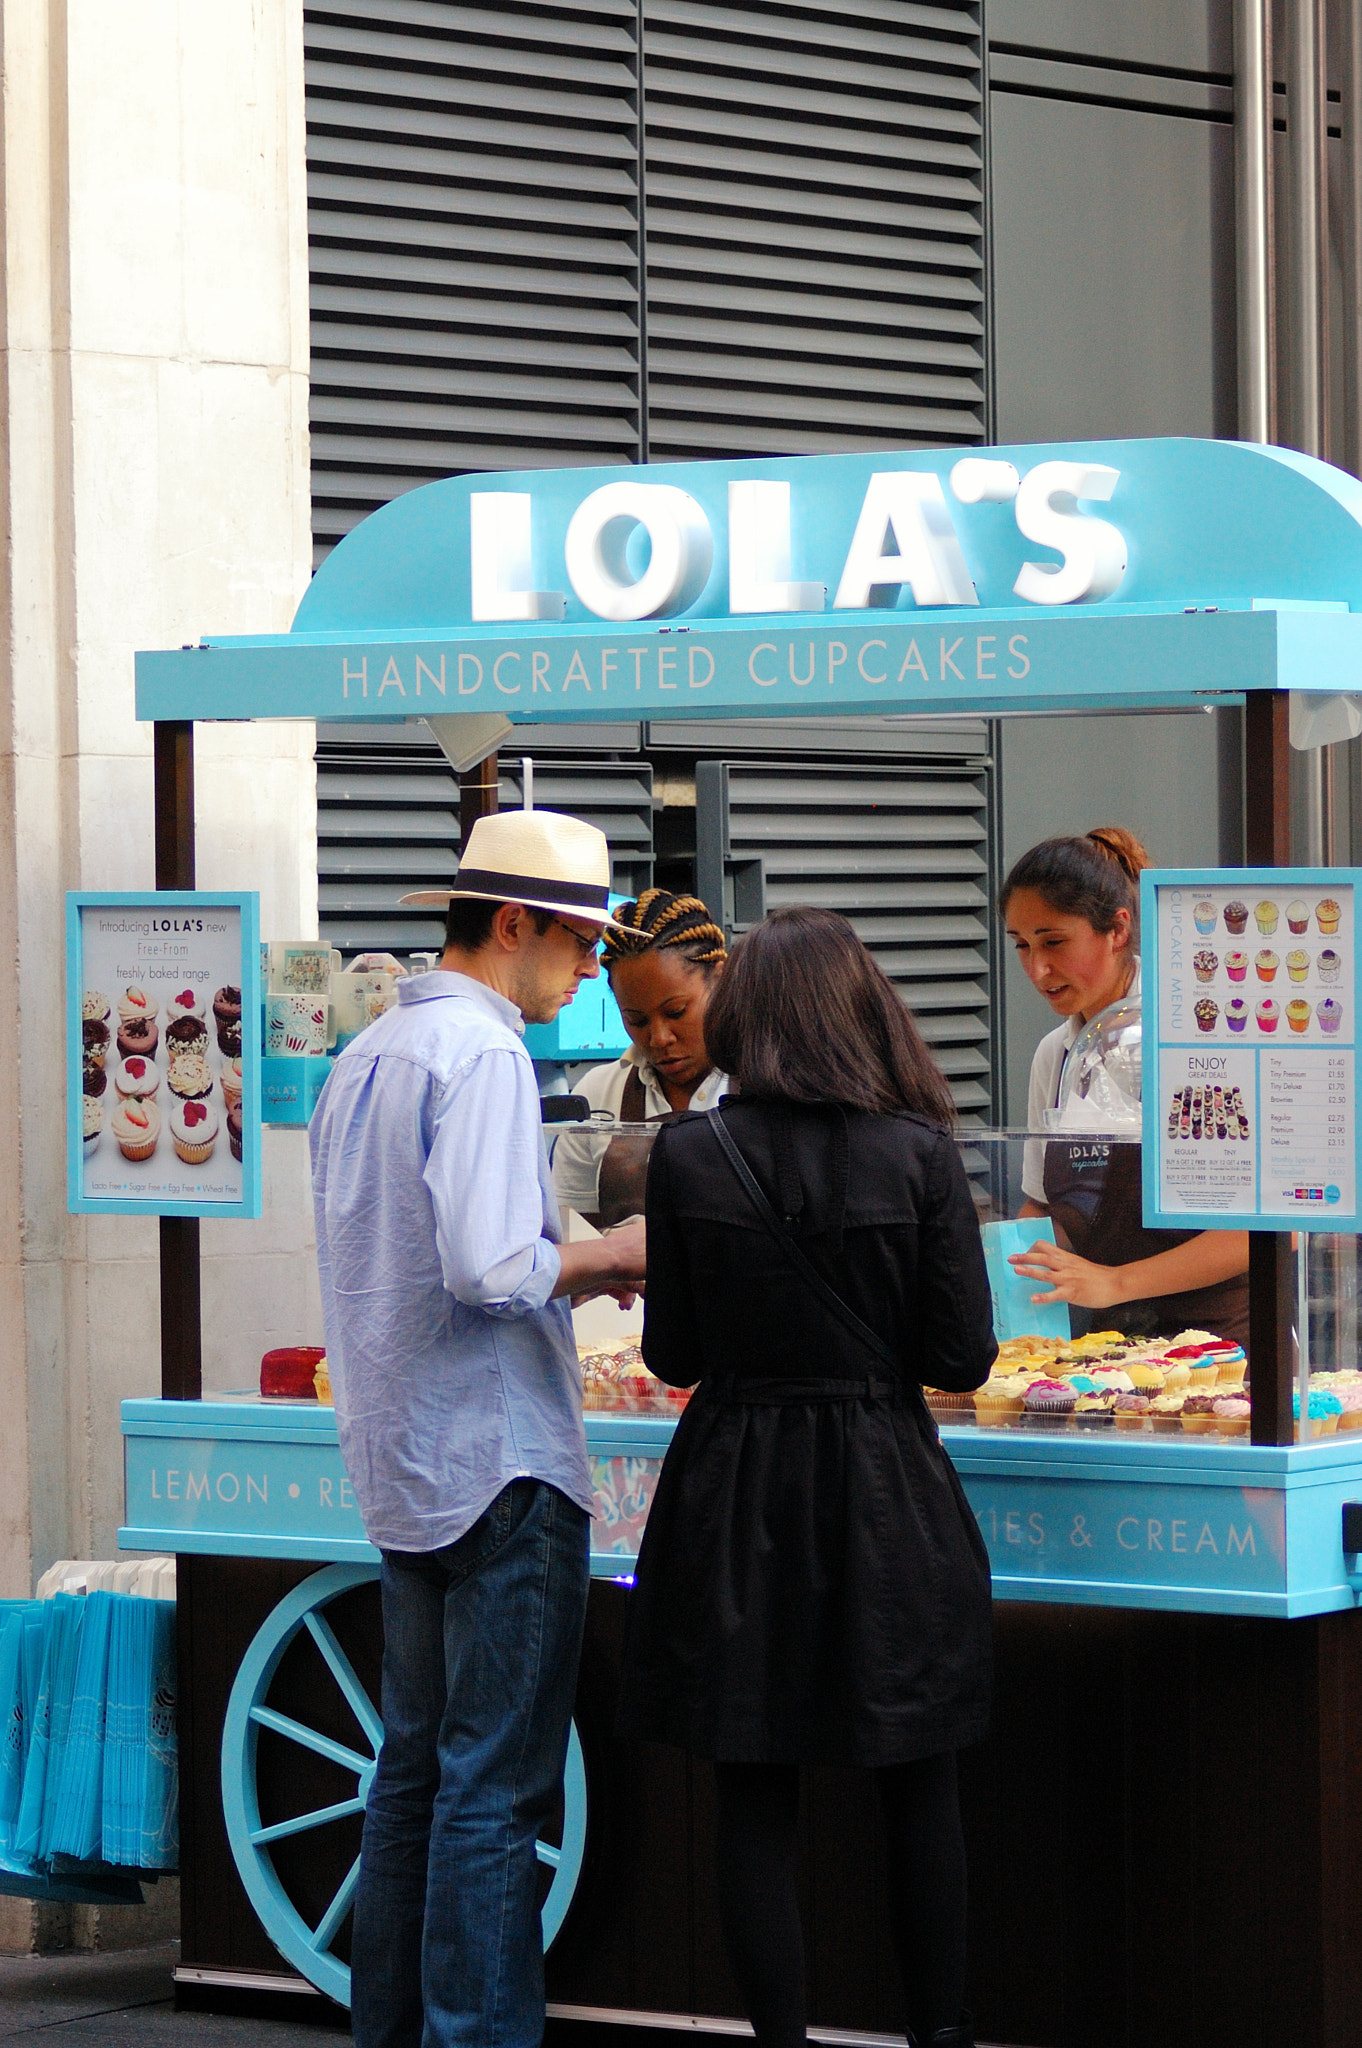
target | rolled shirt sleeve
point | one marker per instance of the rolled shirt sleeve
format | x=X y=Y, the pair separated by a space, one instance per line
x=495 y=1234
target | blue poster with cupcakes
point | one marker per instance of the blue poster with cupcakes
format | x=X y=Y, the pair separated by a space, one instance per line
x=163 y=1082
x=1250 y=1044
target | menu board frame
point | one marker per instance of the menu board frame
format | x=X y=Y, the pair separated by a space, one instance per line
x=159 y=904
x=1170 y=892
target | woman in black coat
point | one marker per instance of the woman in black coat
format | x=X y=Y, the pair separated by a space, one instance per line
x=812 y=1586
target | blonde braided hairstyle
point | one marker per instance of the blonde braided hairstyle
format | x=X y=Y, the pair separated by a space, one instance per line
x=658 y=920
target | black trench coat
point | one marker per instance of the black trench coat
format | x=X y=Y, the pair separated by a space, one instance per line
x=812 y=1585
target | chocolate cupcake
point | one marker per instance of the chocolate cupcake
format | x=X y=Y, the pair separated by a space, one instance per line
x=227 y=1006
x=94 y=1035
x=95 y=1081
x=1236 y=916
x=138 y=1038
x=234 y=1130
x=186 y=1035
x=229 y=1038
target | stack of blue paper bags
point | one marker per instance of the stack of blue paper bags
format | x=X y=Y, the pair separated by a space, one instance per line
x=88 y=1760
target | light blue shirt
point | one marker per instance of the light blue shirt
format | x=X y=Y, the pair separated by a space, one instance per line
x=437 y=1234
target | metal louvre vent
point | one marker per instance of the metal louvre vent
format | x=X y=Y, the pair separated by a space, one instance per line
x=813 y=250
x=814 y=194
x=902 y=853
x=388 y=822
x=473 y=218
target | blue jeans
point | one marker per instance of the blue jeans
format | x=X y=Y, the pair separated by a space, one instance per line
x=481 y=1642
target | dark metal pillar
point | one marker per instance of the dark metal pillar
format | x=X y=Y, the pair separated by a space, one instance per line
x=181 y=1321
x=1267 y=844
x=477 y=795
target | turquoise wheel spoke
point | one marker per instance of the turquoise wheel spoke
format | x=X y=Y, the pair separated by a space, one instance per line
x=312 y=1738
x=330 y=1923
x=361 y=1706
x=305 y=1948
x=300 y=1824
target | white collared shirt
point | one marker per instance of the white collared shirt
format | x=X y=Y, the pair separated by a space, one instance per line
x=1047 y=1073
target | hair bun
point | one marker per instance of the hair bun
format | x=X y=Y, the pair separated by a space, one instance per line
x=1122 y=847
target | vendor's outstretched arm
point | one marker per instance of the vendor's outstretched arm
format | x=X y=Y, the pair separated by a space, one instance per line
x=1204 y=1261
x=612 y=1264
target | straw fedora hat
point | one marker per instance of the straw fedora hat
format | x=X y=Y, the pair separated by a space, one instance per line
x=539 y=858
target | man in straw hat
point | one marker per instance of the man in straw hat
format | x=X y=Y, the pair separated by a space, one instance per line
x=445 y=1291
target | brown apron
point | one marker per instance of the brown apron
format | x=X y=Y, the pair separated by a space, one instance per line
x=623 y=1180
x=1095 y=1199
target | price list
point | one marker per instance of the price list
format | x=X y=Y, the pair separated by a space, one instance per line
x=1253 y=987
x=1309 y=1139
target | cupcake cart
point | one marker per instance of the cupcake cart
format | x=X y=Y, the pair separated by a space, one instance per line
x=1171 y=1792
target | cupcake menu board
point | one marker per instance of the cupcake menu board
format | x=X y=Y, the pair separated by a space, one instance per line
x=1249 y=1096
x=163 y=1034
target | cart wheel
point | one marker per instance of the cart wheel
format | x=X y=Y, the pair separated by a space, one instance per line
x=310 y=1949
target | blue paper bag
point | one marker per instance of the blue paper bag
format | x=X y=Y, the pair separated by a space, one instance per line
x=1014 y=1312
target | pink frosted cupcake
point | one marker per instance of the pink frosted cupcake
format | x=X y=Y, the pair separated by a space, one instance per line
x=1049 y=1401
x=1350 y=1402
x=1267 y=1014
x=1236 y=965
x=1232 y=1415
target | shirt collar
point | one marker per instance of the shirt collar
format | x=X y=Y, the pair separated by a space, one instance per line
x=442 y=981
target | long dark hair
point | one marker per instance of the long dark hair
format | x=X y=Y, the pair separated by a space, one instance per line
x=1093 y=877
x=805 y=1014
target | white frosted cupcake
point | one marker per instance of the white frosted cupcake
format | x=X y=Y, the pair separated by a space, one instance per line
x=231 y=1082
x=94 y=1121
x=135 y=1002
x=137 y=1126
x=194 y=1129
x=185 y=1003
x=136 y=1076
x=94 y=1008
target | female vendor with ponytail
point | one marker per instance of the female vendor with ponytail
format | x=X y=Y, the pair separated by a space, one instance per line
x=1071 y=908
x=664 y=957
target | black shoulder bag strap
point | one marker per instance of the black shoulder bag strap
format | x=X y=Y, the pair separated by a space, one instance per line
x=831 y=1300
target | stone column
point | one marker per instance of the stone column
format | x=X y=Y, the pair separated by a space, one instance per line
x=153 y=487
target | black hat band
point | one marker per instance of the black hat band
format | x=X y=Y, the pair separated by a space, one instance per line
x=487 y=882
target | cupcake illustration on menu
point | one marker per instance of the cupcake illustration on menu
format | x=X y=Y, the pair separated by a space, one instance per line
x=1328 y=965
x=137 y=1126
x=1298 y=917
x=1236 y=965
x=1204 y=916
x=1327 y=915
x=1298 y=963
x=1206 y=1013
x=1298 y=1014
x=1265 y=964
x=1265 y=917
x=1330 y=1014
x=1205 y=963
x=1236 y=918
x=194 y=1130
x=1267 y=1014
x=1236 y=1013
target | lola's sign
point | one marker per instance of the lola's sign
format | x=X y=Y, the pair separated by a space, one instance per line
x=903 y=579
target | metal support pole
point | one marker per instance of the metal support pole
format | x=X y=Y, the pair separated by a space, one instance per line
x=477 y=796
x=1267 y=843
x=181 y=1319
x=1253 y=215
x=1350 y=340
x=1306 y=137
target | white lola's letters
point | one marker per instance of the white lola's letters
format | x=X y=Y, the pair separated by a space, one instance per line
x=904 y=535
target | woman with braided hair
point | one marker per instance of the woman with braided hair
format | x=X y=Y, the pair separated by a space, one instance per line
x=664 y=957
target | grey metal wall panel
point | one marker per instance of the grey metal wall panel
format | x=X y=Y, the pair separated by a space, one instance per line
x=1185 y=35
x=1114 y=271
x=388 y=822
x=473 y=218
x=814 y=227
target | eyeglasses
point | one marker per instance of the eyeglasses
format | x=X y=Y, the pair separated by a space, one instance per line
x=586 y=947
